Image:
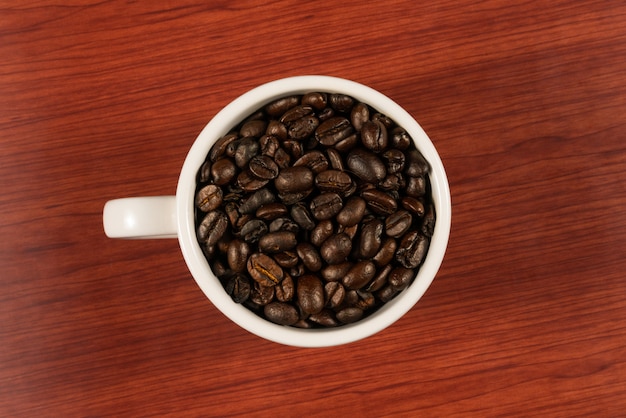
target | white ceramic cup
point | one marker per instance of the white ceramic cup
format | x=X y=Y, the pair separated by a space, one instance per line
x=173 y=216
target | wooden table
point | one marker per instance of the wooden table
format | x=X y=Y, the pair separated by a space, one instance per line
x=526 y=104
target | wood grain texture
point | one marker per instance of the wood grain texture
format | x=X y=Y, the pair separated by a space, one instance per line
x=525 y=102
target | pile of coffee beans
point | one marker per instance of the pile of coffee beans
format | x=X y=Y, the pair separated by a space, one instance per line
x=314 y=211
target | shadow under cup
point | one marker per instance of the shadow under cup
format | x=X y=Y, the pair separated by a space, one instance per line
x=231 y=116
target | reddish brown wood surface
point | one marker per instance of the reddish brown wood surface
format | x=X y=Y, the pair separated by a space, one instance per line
x=525 y=101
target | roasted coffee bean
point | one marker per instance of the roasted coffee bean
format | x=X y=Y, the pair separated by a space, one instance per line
x=294 y=148
x=352 y=212
x=280 y=106
x=336 y=248
x=292 y=198
x=298 y=270
x=247 y=148
x=302 y=128
x=253 y=230
x=359 y=115
x=428 y=223
x=310 y=256
x=276 y=129
x=394 y=160
x=238 y=287
x=341 y=102
x=295 y=113
x=384 y=119
x=285 y=290
x=326 y=114
x=398 y=223
x=392 y=183
x=315 y=160
x=264 y=270
x=380 y=279
x=286 y=259
x=271 y=211
x=256 y=200
x=248 y=182
x=335 y=160
x=253 y=128
x=276 y=242
x=333 y=181
x=374 y=136
x=400 y=139
x=366 y=165
x=322 y=231
x=413 y=205
x=294 y=180
x=219 y=148
x=415 y=187
x=282 y=158
x=347 y=143
x=400 y=277
x=335 y=272
x=325 y=318
x=416 y=165
x=326 y=205
x=316 y=100
x=284 y=224
x=261 y=295
x=302 y=216
x=310 y=293
x=380 y=202
x=269 y=145
x=212 y=227
x=349 y=315
x=412 y=249
x=263 y=167
x=386 y=293
x=237 y=255
x=281 y=313
x=333 y=130
x=350 y=231
x=204 y=174
x=209 y=198
x=366 y=300
x=223 y=171
x=371 y=238
x=334 y=294
x=359 y=275
x=232 y=212
x=386 y=252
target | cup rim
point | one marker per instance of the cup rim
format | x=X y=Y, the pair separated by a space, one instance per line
x=230 y=116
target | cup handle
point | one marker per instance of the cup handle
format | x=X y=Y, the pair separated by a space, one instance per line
x=140 y=217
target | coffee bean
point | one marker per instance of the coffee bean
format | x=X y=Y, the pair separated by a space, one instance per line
x=386 y=252
x=349 y=315
x=310 y=293
x=334 y=159
x=302 y=216
x=322 y=231
x=341 y=102
x=256 y=200
x=379 y=201
x=371 y=238
x=315 y=160
x=416 y=164
x=294 y=180
x=336 y=248
x=335 y=272
x=334 y=294
x=209 y=198
x=238 y=287
x=212 y=227
x=394 y=160
x=263 y=167
x=247 y=148
x=428 y=223
x=380 y=279
x=219 y=148
x=276 y=242
x=325 y=318
x=264 y=270
x=333 y=181
x=316 y=100
x=295 y=113
x=261 y=295
x=333 y=130
x=254 y=128
x=223 y=171
x=253 y=230
x=400 y=139
x=285 y=290
x=374 y=136
x=280 y=106
x=366 y=165
x=352 y=212
x=281 y=313
x=237 y=255
x=326 y=205
x=400 y=277
x=359 y=275
x=398 y=223
x=412 y=249
x=271 y=211
x=286 y=259
x=269 y=145
x=248 y=182
x=284 y=224
x=302 y=128
x=310 y=256
x=359 y=115
x=413 y=205
x=415 y=186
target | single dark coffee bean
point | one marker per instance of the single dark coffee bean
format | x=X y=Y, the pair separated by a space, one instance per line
x=415 y=186
x=341 y=102
x=359 y=115
x=326 y=113
x=333 y=181
x=212 y=227
x=295 y=113
x=393 y=182
x=386 y=293
x=394 y=160
x=247 y=148
x=333 y=130
x=359 y=275
x=219 y=148
x=294 y=148
x=336 y=248
x=238 y=287
x=276 y=129
x=256 y=200
x=281 y=313
x=232 y=213
x=204 y=174
x=384 y=119
x=253 y=230
x=237 y=254
x=302 y=216
x=278 y=107
x=263 y=167
x=253 y=128
x=366 y=165
x=271 y=211
x=282 y=158
x=285 y=290
x=264 y=270
x=286 y=259
x=298 y=270
x=269 y=145
x=386 y=252
x=315 y=160
x=374 y=136
x=352 y=212
x=371 y=238
x=335 y=159
x=347 y=143
x=209 y=198
x=294 y=180
x=380 y=202
x=401 y=277
x=400 y=139
x=428 y=223
x=416 y=165
x=413 y=205
x=223 y=171
x=276 y=242
x=326 y=205
x=284 y=224
x=310 y=256
x=261 y=295
x=398 y=223
x=380 y=279
x=325 y=318
x=366 y=300
x=349 y=315
x=336 y=272
x=316 y=100
x=293 y=198
x=412 y=249
x=322 y=231
x=310 y=294
x=302 y=128
x=334 y=294
x=248 y=182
